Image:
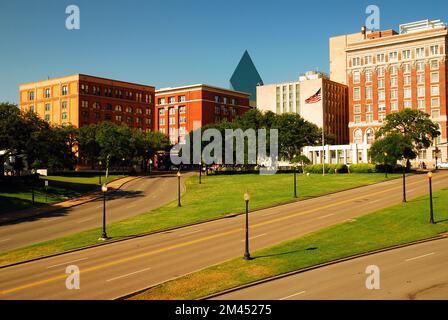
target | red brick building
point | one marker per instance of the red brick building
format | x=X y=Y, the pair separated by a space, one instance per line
x=182 y=109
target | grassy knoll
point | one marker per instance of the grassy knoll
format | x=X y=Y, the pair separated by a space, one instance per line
x=16 y=193
x=398 y=224
x=215 y=197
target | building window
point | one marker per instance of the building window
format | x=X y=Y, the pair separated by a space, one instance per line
x=356 y=62
x=381 y=71
x=64 y=90
x=380 y=83
x=171 y=111
x=85 y=104
x=381 y=95
x=171 y=100
x=64 y=115
x=64 y=104
x=138 y=111
x=369 y=107
x=369 y=136
x=435 y=90
x=31 y=108
x=357 y=108
x=434 y=77
x=405 y=54
x=407 y=68
x=421 y=104
x=97 y=116
x=420 y=66
x=381 y=117
x=394 y=105
x=47 y=117
x=129 y=109
x=118 y=118
x=181 y=109
x=357 y=135
x=161 y=112
x=357 y=119
x=380 y=58
x=47 y=107
x=369 y=118
x=435 y=113
x=408 y=104
x=84 y=88
x=393 y=82
x=381 y=106
x=31 y=95
x=407 y=80
x=434 y=64
x=172 y=120
x=118 y=108
x=162 y=121
x=407 y=92
x=224 y=100
x=434 y=50
x=420 y=52
x=172 y=131
x=356 y=77
x=148 y=121
x=217 y=110
x=148 y=111
x=393 y=56
x=217 y=99
x=96 y=105
x=421 y=91
x=233 y=101
x=420 y=78
x=181 y=98
x=182 y=119
x=368 y=75
x=182 y=130
x=435 y=102
x=394 y=94
x=368 y=93
x=162 y=100
x=162 y=130
x=368 y=60
x=47 y=93
x=356 y=94
x=393 y=70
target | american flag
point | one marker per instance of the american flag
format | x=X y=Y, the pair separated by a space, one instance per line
x=314 y=98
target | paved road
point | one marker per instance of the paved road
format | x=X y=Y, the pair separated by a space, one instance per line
x=121 y=268
x=135 y=197
x=415 y=272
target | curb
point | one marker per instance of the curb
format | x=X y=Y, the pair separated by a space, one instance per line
x=228 y=216
x=93 y=194
x=318 y=266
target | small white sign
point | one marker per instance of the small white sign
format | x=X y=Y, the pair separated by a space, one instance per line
x=42 y=172
x=46 y=183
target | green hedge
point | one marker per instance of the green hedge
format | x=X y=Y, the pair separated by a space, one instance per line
x=363 y=168
x=329 y=168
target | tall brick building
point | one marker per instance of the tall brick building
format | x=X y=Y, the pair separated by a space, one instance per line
x=182 y=109
x=387 y=71
x=82 y=99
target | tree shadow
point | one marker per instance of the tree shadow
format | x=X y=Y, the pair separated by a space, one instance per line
x=284 y=253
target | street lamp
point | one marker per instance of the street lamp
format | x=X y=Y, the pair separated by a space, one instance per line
x=178 y=189
x=33 y=176
x=99 y=180
x=200 y=172
x=385 y=163
x=246 y=252
x=436 y=151
x=104 y=234
x=295 y=182
x=431 y=211
x=404 y=183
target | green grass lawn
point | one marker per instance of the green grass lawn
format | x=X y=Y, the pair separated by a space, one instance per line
x=395 y=225
x=217 y=196
x=16 y=194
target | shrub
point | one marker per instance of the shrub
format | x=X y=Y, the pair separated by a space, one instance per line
x=329 y=168
x=363 y=168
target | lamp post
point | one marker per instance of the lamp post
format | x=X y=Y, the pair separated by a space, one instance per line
x=436 y=151
x=295 y=182
x=200 y=172
x=385 y=163
x=178 y=189
x=99 y=180
x=104 y=234
x=404 y=183
x=33 y=174
x=246 y=252
x=431 y=211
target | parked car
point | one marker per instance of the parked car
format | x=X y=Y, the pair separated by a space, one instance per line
x=443 y=165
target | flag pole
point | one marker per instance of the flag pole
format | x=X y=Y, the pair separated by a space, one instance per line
x=323 y=130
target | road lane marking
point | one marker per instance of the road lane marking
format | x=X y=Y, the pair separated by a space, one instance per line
x=292 y=295
x=3 y=240
x=127 y=275
x=254 y=237
x=64 y=263
x=374 y=201
x=415 y=258
x=192 y=242
x=188 y=233
x=328 y=215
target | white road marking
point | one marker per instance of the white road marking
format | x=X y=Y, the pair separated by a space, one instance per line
x=425 y=255
x=378 y=200
x=293 y=295
x=126 y=275
x=254 y=237
x=64 y=263
x=85 y=220
x=3 y=240
x=328 y=215
x=188 y=233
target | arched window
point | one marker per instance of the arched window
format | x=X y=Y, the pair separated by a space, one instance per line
x=369 y=136
x=118 y=108
x=357 y=136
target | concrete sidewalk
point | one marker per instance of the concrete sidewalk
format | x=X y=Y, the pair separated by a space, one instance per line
x=91 y=196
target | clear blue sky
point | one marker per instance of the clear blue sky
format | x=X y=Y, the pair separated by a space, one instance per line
x=180 y=42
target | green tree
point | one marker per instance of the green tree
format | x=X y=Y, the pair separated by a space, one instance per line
x=89 y=147
x=389 y=149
